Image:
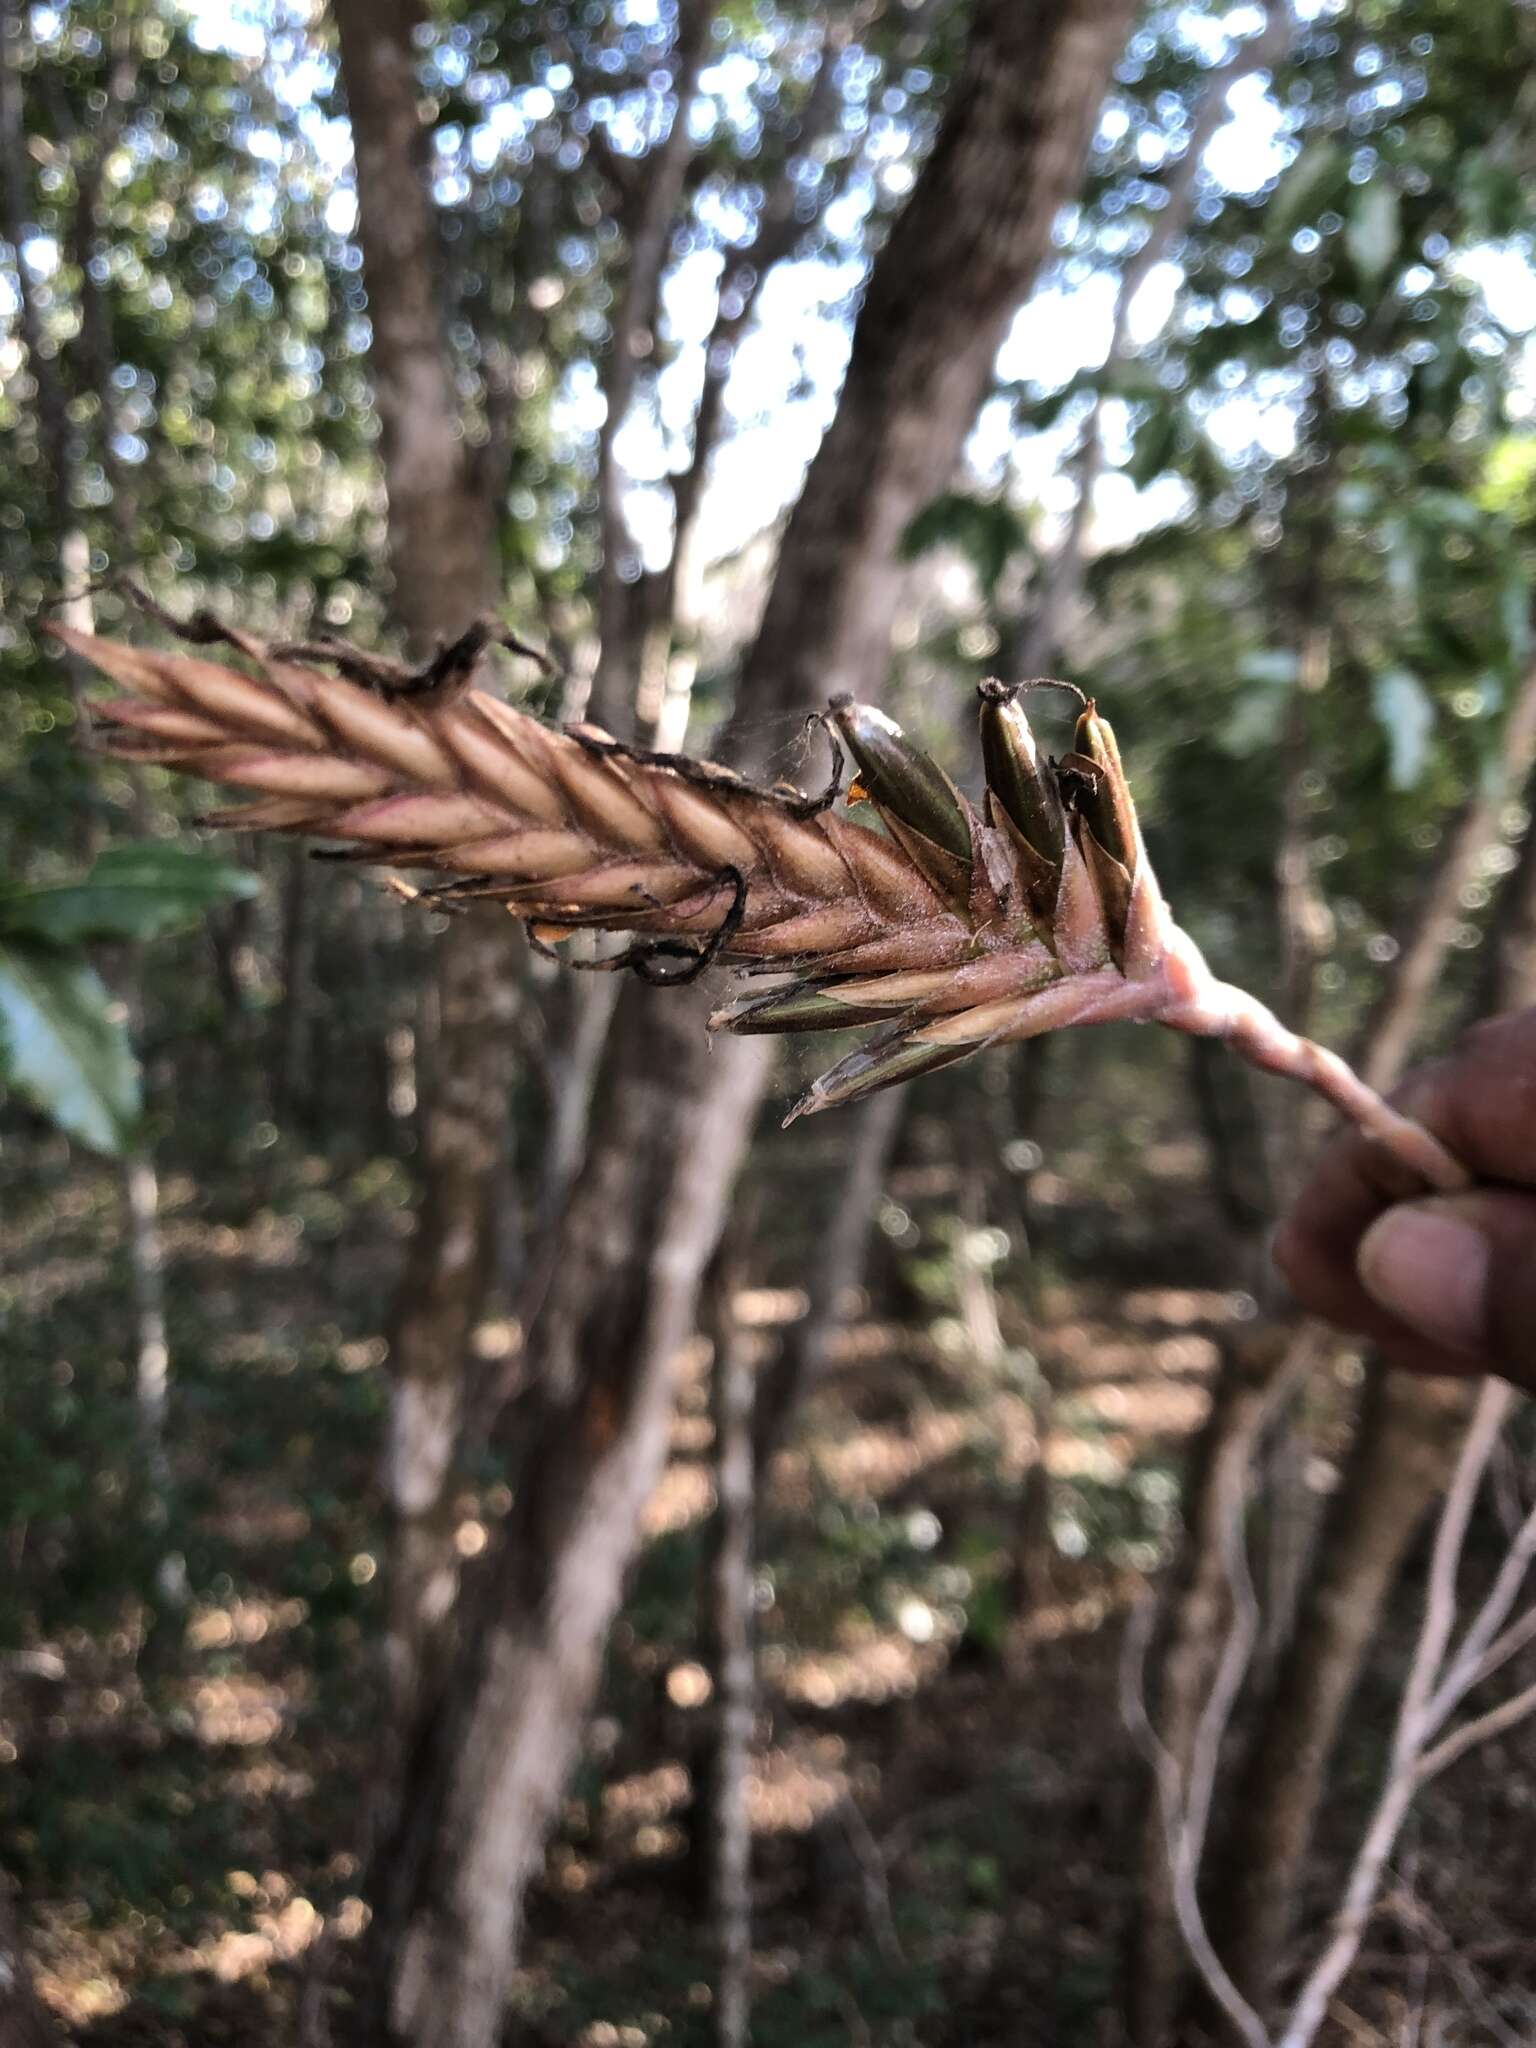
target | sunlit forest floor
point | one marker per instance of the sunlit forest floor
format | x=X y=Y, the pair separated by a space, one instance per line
x=945 y=1801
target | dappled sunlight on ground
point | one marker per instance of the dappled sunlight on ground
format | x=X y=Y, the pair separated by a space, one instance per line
x=684 y=1495
x=938 y=1768
x=794 y=1784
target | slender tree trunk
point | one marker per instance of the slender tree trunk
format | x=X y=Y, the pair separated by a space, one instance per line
x=582 y=1011
x=1418 y=967
x=50 y=406
x=1237 y=1147
x=625 y=596
x=140 y=1184
x=670 y=1122
x=1256 y=1367
x=651 y=203
x=839 y=1266
x=1030 y=1567
x=640 y=1228
x=441 y=554
x=292 y=1099
x=51 y=399
x=1512 y=957
x=781 y=226
x=146 y=1260
x=732 y=1661
x=1402 y=1456
x=937 y=307
x=1040 y=640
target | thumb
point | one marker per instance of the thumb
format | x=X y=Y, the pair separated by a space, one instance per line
x=1460 y=1270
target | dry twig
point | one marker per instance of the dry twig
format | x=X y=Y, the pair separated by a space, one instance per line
x=1439 y=1679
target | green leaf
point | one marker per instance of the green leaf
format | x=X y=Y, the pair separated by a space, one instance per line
x=989 y=531
x=1406 y=713
x=133 y=892
x=1374 y=231
x=1306 y=188
x=64 y=1044
x=1155 y=448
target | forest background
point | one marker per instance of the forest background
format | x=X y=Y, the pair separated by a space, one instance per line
x=496 y=1534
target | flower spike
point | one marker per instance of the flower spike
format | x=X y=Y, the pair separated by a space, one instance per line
x=948 y=931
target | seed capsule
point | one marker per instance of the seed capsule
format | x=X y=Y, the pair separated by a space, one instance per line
x=915 y=798
x=1023 y=786
x=1025 y=802
x=1107 y=830
x=1105 y=799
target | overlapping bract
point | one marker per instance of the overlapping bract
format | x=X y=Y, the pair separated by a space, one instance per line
x=946 y=927
x=1063 y=921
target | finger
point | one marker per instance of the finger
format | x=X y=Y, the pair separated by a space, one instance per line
x=1482 y=1102
x=1329 y=1285
x=1460 y=1273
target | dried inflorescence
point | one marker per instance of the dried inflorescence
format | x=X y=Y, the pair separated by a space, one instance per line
x=948 y=928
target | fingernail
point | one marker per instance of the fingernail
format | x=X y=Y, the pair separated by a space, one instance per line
x=1430 y=1270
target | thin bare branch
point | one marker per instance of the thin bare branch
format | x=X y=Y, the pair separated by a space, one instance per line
x=1515 y=1638
x=1389 y=1038
x=653 y=210
x=1482 y=1641
x=1494 y=1402
x=1508 y=1714
x=1170 y=1791
x=1411 y=1766
x=1037 y=646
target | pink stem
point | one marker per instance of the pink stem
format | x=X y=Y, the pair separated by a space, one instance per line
x=1221 y=1011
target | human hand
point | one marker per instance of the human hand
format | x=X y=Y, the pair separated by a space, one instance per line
x=1443 y=1283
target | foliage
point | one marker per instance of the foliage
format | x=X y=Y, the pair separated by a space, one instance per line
x=63 y=1036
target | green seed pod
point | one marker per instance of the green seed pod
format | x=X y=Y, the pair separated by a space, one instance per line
x=915 y=798
x=1021 y=784
x=901 y=778
x=1104 y=799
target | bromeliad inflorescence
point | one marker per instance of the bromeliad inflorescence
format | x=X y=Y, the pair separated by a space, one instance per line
x=944 y=927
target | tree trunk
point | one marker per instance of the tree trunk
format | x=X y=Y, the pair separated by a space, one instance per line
x=441 y=554
x=1402 y=1456
x=1256 y=1367
x=50 y=405
x=292 y=1094
x=670 y=1122
x=839 y=1267
x=51 y=400
x=939 y=301
x=146 y=1262
x=1512 y=956
x=729 y=1592
x=651 y=203
x=1418 y=966
x=781 y=227
x=592 y=1432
